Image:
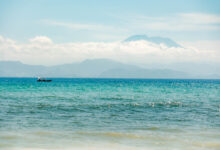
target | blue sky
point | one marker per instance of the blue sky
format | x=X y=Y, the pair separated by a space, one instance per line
x=115 y=20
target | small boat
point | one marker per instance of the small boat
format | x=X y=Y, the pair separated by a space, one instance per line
x=43 y=80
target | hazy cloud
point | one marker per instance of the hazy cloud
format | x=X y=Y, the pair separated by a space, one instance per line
x=200 y=18
x=41 y=50
x=129 y=24
x=83 y=26
x=176 y=22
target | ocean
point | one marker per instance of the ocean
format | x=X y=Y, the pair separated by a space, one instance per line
x=111 y=114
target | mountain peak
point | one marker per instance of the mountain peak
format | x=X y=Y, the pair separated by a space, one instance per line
x=137 y=38
x=98 y=60
x=156 y=40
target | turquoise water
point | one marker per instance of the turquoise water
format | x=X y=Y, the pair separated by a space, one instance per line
x=100 y=114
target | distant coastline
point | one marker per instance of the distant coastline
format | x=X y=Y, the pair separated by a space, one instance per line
x=95 y=68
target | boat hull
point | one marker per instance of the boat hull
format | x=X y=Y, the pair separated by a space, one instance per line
x=44 y=80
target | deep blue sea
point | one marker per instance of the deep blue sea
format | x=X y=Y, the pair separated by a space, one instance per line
x=112 y=114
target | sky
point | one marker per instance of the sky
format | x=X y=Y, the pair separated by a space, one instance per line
x=51 y=32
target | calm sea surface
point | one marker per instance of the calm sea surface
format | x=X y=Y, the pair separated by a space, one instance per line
x=113 y=114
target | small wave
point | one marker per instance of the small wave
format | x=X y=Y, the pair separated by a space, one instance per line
x=117 y=106
x=168 y=104
x=116 y=98
x=44 y=105
x=53 y=97
x=43 y=133
x=113 y=134
x=8 y=137
x=122 y=135
x=207 y=144
x=153 y=128
x=3 y=145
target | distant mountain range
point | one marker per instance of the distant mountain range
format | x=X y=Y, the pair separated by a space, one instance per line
x=157 y=40
x=95 y=68
x=105 y=68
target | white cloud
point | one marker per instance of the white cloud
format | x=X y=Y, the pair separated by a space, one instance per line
x=204 y=45
x=138 y=52
x=41 y=39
